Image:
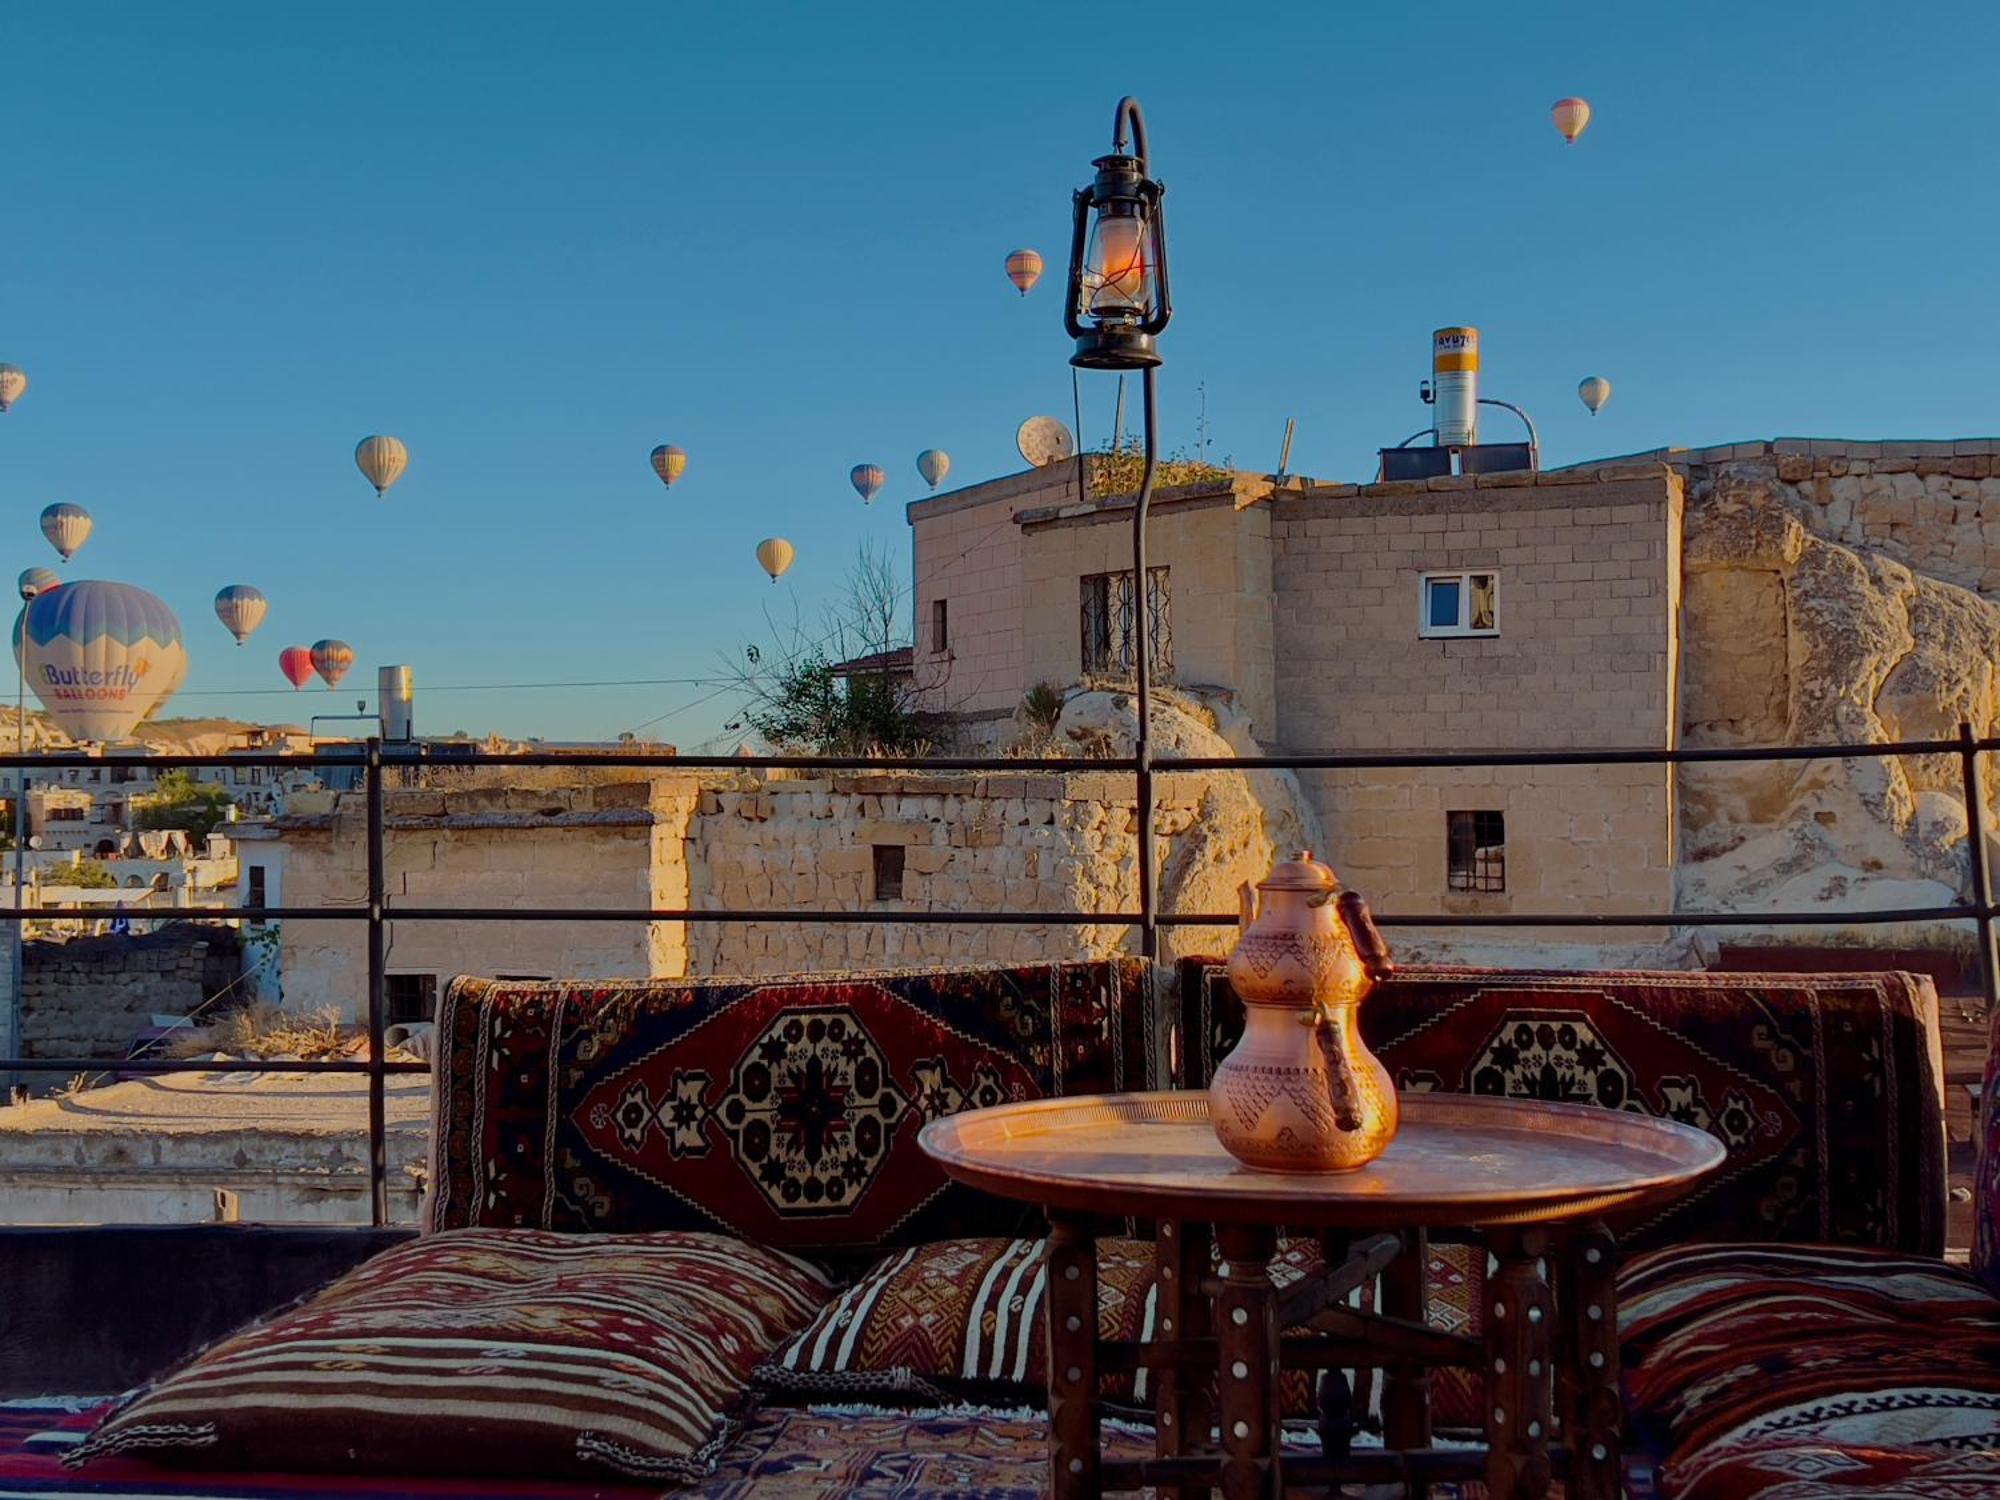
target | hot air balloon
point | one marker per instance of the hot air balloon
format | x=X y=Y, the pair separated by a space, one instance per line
x=67 y=527
x=331 y=659
x=296 y=662
x=669 y=463
x=1024 y=269
x=933 y=464
x=381 y=461
x=35 y=581
x=774 y=555
x=241 y=609
x=101 y=656
x=867 y=479
x=13 y=381
x=1571 y=116
x=1594 y=391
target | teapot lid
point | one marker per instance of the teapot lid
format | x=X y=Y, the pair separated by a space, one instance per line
x=1300 y=873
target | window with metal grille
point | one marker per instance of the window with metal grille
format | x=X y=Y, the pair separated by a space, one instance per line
x=888 y=872
x=1110 y=626
x=940 y=625
x=1476 y=851
x=1456 y=604
x=409 y=997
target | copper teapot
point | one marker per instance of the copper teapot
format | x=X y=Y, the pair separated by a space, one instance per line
x=1301 y=1092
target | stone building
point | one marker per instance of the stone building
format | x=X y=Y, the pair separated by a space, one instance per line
x=1786 y=592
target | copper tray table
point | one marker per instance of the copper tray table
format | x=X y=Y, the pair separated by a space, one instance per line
x=1535 y=1179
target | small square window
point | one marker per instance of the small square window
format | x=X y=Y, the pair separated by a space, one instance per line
x=888 y=872
x=1458 y=604
x=409 y=998
x=1476 y=851
x=940 y=625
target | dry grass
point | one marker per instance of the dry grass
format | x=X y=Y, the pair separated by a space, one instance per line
x=267 y=1031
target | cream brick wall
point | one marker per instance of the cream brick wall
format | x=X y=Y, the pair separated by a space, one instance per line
x=1218 y=556
x=967 y=551
x=605 y=846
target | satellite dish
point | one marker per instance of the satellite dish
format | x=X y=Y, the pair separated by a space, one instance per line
x=1044 y=441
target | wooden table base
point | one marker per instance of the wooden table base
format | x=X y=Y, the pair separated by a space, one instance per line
x=1549 y=1355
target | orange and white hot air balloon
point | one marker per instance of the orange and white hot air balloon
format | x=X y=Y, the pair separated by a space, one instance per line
x=331 y=659
x=1570 y=115
x=381 y=461
x=774 y=555
x=14 y=380
x=1024 y=269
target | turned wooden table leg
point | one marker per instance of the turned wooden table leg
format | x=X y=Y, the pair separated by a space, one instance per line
x=1181 y=1406
x=1406 y=1389
x=1247 y=1352
x=1520 y=1327
x=1595 y=1411
x=1071 y=1312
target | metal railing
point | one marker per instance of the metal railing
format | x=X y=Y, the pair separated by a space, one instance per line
x=378 y=761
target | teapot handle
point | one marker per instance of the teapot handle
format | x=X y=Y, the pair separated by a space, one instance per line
x=1369 y=945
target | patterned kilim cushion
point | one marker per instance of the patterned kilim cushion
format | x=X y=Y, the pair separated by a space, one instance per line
x=783 y=1111
x=964 y=1317
x=1811 y=1347
x=1986 y=1170
x=1819 y=1471
x=506 y=1352
x=1825 y=1087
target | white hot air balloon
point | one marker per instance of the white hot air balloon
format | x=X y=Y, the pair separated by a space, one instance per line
x=1594 y=391
x=67 y=527
x=933 y=464
x=101 y=656
x=1570 y=116
x=381 y=461
x=13 y=381
x=241 y=609
x=774 y=555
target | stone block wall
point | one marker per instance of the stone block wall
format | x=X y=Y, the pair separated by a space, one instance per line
x=967 y=551
x=92 y=996
x=1587 y=565
x=1582 y=838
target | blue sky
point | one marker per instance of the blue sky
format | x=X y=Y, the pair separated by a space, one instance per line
x=535 y=241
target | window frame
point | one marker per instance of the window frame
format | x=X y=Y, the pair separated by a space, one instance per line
x=888 y=865
x=1467 y=879
x=1462 y=631
x=940 y=626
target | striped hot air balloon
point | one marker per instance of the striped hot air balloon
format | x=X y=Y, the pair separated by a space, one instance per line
x=67 y=527
x=867 y=479
x=296 y=662
x=13 y=381
x=35 y=581
x=1570 y=116
x=669 y=463
x=241 y=609
x=1024 y=269
x=381 y=461
x=101 y=656
x=331 y=659
x=774 y=555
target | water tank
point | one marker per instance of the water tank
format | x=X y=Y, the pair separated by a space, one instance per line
x=1455 y=386
x=396 y=702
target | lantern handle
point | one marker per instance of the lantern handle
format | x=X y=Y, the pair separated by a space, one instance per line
x=1130 y=113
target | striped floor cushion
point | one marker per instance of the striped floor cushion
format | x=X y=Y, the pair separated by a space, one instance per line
x=959 y=1318
x=488 y=1352
x=1748 y=1349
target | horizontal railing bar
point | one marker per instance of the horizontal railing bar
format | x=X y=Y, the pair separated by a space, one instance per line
x=197 y=1065
x=1962 y=911
x=426 y=757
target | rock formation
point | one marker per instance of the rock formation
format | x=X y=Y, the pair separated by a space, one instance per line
x=1791 y=636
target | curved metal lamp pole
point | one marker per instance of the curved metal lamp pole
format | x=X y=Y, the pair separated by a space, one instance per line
x=1119 y=303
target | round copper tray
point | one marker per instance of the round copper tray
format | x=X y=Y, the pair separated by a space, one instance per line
x=1457 y=1160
